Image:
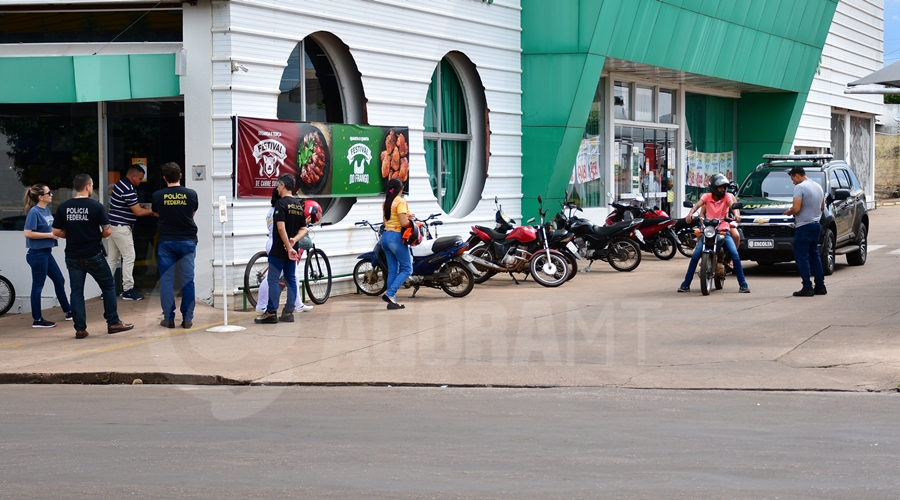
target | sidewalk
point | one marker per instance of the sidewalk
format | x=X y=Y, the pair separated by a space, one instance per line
x=604 y=328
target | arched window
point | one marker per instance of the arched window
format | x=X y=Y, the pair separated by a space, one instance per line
x=455 y=135
x=322 y=83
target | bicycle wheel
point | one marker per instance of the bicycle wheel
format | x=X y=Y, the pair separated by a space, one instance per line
x=7 y=295
x=255 y=276
x=317 y=276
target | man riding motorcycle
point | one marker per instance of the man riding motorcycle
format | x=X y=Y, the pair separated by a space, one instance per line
x=716 y=205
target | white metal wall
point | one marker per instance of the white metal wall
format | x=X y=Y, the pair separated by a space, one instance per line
x=397 y=45
x=853 y=49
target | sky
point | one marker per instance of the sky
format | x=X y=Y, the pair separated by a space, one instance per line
x=891 y=31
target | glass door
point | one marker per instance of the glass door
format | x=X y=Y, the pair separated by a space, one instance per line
x=148 y=133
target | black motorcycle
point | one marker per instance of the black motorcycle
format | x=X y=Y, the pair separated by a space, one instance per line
x=612 y=244
x=713 y=260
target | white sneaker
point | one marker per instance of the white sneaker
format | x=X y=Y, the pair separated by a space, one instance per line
x=303 y=308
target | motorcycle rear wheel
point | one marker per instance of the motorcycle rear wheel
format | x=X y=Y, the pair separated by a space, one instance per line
x=707 y=269
x=459 y=281
x=664 y=247
x=624 y=255
x=368 y=279
x=560 y=274
x=482 y=274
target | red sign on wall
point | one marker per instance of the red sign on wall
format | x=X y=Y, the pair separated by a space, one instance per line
x=263 y=149
x=326 y=159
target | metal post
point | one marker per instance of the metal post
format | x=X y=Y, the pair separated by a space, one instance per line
x=225 y=328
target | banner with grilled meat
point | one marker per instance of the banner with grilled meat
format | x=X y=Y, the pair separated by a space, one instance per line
x=328 y=159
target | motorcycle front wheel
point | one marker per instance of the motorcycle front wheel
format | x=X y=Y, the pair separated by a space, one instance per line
x=624 y=255
x=573 y=264
x=686 y=243
x=549 y=272
x=664 y=247
x=482 y=274
x=459 y=280
x=369 y=279
x=707 y=269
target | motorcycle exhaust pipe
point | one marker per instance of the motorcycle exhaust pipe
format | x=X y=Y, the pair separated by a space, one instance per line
x=484 y=263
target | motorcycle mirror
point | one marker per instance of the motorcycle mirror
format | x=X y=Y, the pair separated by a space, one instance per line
x=539 y=199
x=496 y=200
x=687 y=204
x=737 y=206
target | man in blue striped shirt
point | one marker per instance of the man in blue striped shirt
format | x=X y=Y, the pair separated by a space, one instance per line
x=124 y=210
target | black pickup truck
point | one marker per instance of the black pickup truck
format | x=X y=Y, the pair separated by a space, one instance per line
x=768 y=191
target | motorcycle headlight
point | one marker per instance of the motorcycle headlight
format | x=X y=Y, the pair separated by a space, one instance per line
x=709 y=231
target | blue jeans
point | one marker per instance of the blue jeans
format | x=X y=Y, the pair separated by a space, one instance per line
x=732 y=251
x=806 y=253
x=176 y=256
x=97 y=267
x=43 y=265
x=399 y=261
x=276 y=268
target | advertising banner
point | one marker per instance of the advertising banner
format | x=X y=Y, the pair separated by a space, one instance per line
x=701 y=166
x=328 y=160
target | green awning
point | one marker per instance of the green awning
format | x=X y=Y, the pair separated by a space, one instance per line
x=87 y=78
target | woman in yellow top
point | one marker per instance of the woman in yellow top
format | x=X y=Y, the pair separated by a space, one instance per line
x=399 y=261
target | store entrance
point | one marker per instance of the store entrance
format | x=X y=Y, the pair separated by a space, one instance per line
x=149 y=133
x=645 y=164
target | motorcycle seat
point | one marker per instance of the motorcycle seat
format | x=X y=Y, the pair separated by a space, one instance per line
x=445 y=242
x=558 y=234
x=612 y=229
x=494 y=234
x=655 y=221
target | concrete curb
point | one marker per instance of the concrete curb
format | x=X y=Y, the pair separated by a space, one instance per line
x=115 y=378
x=124 y=378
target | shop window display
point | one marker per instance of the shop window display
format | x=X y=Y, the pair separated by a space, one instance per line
x=47 y=144
x=587 y=186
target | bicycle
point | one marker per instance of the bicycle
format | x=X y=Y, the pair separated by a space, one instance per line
x=7 y=295
x=317 y=275
x=369 y=279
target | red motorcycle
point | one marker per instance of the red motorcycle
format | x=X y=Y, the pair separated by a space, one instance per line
x=656 y=227
x=515 y=250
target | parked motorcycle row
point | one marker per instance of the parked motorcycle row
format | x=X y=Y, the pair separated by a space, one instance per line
x=546 y=250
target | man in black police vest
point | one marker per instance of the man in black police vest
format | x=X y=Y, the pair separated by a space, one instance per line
x=177 y=245
x=288 y=229
x=83 y=222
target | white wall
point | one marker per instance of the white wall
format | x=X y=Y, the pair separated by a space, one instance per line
x=397 y=44
x=853 y=49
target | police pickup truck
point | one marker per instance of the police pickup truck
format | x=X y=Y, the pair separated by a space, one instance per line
x=768 y=191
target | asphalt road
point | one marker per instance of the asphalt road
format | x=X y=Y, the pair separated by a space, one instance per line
x=342 y=442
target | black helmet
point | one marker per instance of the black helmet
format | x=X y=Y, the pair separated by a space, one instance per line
x=718 y=186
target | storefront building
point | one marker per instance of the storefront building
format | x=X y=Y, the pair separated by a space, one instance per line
x=584 y=99
x=674 y=90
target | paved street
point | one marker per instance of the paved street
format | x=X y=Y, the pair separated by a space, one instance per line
x=88 y=442
x=602 y=329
